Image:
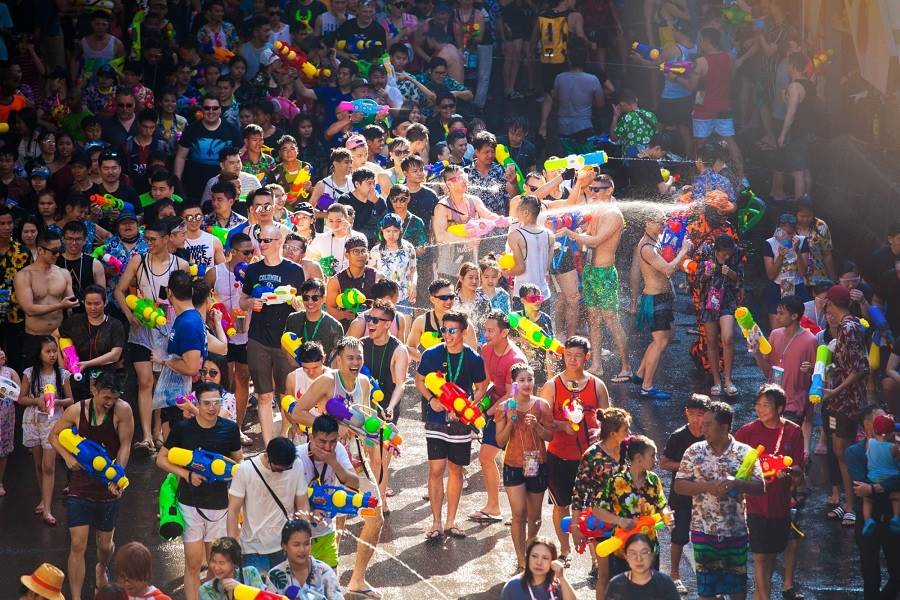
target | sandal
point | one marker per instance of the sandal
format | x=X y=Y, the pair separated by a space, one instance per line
x=479 y=516
x=792 y=594
x=715 y=390
x=835 y=513
x=682 y=589
x=731 y=391
x=622 y=378
x=849 y=519
x=434 y=535
x=145 y=445
x=456 y=532
x=566 y=560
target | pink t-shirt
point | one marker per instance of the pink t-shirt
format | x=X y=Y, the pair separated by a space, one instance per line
x=497 y=368
x=788 y=353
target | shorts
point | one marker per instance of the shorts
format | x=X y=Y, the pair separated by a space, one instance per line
x=703 y=128
x=36 y=427
x=138 y=353
x=561 y=479
x=533 y=485
x=237 y=353
x=676 y=111
x=458 y=453
x=489 y=433
x=263 y=562
x=799 y=418
x=794 y=155
x=98 y=514
x=655 y=312
x=839 y=425
x=269 y=367
x=549 y=73
x=325 y=549
x=768 y=535
x=602 y=36
x=721 y=564
x=208 y=527
x=601 y=287
x=681 y=532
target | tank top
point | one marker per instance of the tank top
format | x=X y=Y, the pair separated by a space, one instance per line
x=82 y=485
x=537 y=255
x=563 y=445
x=803 y=123
x=99 y=57
x=201 y=249
x=714 y=100
x=228 y=292
x=150 y=285
x=672 y=90
x=363 y=283
x=356 y=395
x=378 y=359
x=334 y=190
x=82 y=272
x=431 y=323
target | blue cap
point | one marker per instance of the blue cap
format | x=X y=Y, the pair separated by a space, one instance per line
x=42 y=172
x=126 y=215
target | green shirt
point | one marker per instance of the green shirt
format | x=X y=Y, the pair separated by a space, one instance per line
x=414 y=231
x=636 y=128
x=327 y=330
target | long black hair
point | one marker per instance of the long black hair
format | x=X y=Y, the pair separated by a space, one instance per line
x=554 y=553
x=36 y=387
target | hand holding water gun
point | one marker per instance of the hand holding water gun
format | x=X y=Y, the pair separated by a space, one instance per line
x=337 y=500
x=576 y=161
x=745 y=471
x=435 y=170
x=108 y=203
x=197 y=270
x=477 y=228
x=773 y=465
x=49 y=398
x=817 y=388
x=269 y=295
x=107 y=259
x=70 y=357
x=93 y=458
x=364 y=422
x=219 y=53
x=455 y=400
x=505 y=160
x=183 y=401
x=751 y=331
x=646 y=51
x=212 y=466
x=534 y=335
x=571 y=221
x=351 y=299
x=751 y=212
x=368 y=108
x=677 y=67
x=146 y=311
x=673 y=235
x=590 y=527
x=227 y=322
x=245 y=592
x=297 y=59
x=648 y=525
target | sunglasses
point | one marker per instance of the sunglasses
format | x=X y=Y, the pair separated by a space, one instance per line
x=192 y=218
x=125 y=105
x=533 y=299
x=211 y=108
x=268 y=240
x=376 y=320
x=264 y=208
x=597 y=188
x=445 y=297
x=209 y=373
x=400 y=199
x=214 y=402
x=53 y=251
x=450 y=330
x=312 y=298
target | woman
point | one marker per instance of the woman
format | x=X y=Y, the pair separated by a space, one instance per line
x=641 y=581
x=398 y=150
x=24 y=124
x=27 y=231
x=524 y=425
x=54 y=106
x=400 y=26
x=818 y=236
x=7 y=419
x=215 y=370
x=171 y=124
x=301 y=570
x=395 y=258
x=470 y=299
x=310 y=149
x=544 y=577
x=288 y=169
x=225 y=568
x=47 y=209
x=60 y=167
x=720 y=281
x=514 y=29
x=786 y=257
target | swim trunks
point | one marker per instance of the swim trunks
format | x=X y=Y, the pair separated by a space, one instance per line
x=601 y=287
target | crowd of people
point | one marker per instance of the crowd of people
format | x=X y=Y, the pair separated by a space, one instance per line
x=227 y=215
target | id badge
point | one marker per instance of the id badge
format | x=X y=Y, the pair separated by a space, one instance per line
x=832 y=423
x=777 y=375
x=530 y=464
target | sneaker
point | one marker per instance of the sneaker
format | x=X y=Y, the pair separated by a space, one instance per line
x=869 y=526
x=894 y=525
x=655 y=394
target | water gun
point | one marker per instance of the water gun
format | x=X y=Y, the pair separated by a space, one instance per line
x=4 y=128
x=812 y=326
x=368 y=108
x=751 y=212
x=182 y=401
x=377 y=395
x=197 y=269
x=673 y=235
x=736 y=16
x=506 y=261
x=212 y=465
x=430 y=339
x=646 y=51
x=745 y=471
x=108 y=202
x=434 y=170
x=93 y=458
x=146 y=311
x=299 y=187
x=171 y=521
x=364 y=422
x=477 y=228
x=576 y=161
x=690 y=266
x=351 y=299
x=751 y=330
x=245 y=592
x=268 y=295
x=240 y=271
x=9 y=390
x=291 y=343
x=107 y=259
x=881 y=335
x=773 y=464
x=573 y=411
x=227 y=322
x=533 y=334
x=297 y=59
x=70 y=357
x=503 y=157
x=50 y=397
x=328 y=265
x=648 y=525
x=818 y=63
x=571 y=221
x=359 y=45
x=337 y=500
x=219 y=53
x=677 y=67
x=453 y=398
x=324 y=202
x=823 y=359
x=221 y=234
x=590 y=527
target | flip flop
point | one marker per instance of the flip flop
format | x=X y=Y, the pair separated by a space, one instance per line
x=456 y=532
x=731 y=391
x=479 y=516
x=566 y=560
x=835 y=513
x=849 y=519
x=366 y=593
x=622 y=378
x=680 y=587
x=434 y=535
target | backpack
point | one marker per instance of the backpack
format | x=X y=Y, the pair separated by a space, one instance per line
x=554 y=28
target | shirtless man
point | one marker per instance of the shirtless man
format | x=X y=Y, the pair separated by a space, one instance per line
x=655 y=307
x=600 y=279
x=440 y=292
x=44 y=291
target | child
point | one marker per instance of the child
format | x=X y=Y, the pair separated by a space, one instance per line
x=882 y=456
x=721 y=275
x=132 y=571
x=395 y=258
x=530 y=299
x=7 y=418
x=490 y=277
x=37 y=420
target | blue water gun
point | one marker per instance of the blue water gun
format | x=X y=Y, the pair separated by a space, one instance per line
x=337 y=500
x=93 y=458
x=377 y=395
x=212 y=465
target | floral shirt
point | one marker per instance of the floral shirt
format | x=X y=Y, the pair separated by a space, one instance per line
x=451 y=84
x=211 y=220
x=726 y=516
x=226 y=37
x=414 y=231
x=250 y=576
x=397 y=265
x=188 y=103
x=708 y=181
x=719 y=294
x=594 y=469
x=850 y=356
x=262 y=166
x=99 y=102
x=55 y=109
x=491 y=188
x=635 y=128
x=322 y=581
x=819 y=245
x=500 y=301
x=115 y=247
x=16 y=258
x=620 y=496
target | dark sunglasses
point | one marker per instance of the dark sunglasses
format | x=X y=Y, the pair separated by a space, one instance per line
x=445 y=297
x=53 y=251
x=209 y=373
x=211 y=107
x=450 y=330
x=268 y=240
x=312 y=298
x=400 y=199
x=597 y=188
x=125 y=105
x=376 y=320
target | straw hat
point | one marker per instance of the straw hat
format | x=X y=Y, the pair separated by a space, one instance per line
x=46 y=582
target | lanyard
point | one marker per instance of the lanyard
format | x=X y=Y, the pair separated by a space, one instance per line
x=320 y=479
x=778 y=441
x=530 y=593
x=315 y=329
x=450 y=376
x=788 y=345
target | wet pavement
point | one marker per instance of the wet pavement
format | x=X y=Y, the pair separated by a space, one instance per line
x=472 y=568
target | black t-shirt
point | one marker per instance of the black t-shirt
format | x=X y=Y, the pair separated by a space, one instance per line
x=224 y=438
x=298 y=12
x=368 y=214
x=868 y=294
x=660 y=587
x=888 y=289
x=204 y=147
x=422 y=205
x=374 y=33
x=92 y=341
x=882 y=260
x=268 y=324
x=680 y=440
x=643 y=178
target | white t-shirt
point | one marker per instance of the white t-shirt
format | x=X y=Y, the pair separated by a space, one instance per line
x=310 y=472
x=328 y=244
x=263 y=519
x=201 y=249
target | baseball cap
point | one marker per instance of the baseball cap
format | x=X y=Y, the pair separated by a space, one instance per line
x=839 y=296
x=788 y=218
x=80 y=157
x=883 y=425
x=305 y=208
x=42 y=172
x=267 y=57
x=126 y=215
x=354 y=141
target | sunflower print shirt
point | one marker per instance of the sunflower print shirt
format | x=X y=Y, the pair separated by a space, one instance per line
x=12 y=261
x=620 y=496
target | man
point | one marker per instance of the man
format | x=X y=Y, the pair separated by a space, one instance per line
x=13 y=258
x=83 y=269
x=368 y=207
x=442 y=296
x=644 y=176
x=364 y=27
x=328 y=248
x=312 y=324
x=681 y=439
x=230 y=106
x=358 y=275
x=843 y=397
x=769 y=516
x=253 y=48
x=458 y=143
x=11 y=184
x=330 y=96
x=887 y=296
x=139 y=148
x=269 y=364
x=356 y=390
x=632 y=126
x=600 y=278
x=127 y=241
x=105 y=418
x=882 y=540
x=200 y=148
x=417 y=134
x=203 y=504
x=449 y=441
x=710 y=161
x=123 y=124
x=657 y=302
x=253 y=160
x=110 y=166
x=882 y=259
x=577 y=94
x=44 y=291
x=799 y=124
x=532 y=248
x=162 y=187
x=499 y=355
x=422 y=200
x=718 y=524
x=262 y=203
x=231 y=169
x=566 y=447
x=266 y=491
x=337 y=183
x=223 y=195
x=374 y=136
x=99 y=340
x=438 y=123
x=204 y=248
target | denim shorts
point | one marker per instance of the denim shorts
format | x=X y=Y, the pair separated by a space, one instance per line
x=263 y=562
x=703 y=128
x=99 y=514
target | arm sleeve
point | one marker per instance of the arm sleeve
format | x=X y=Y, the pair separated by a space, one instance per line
x=238 y=487
x=669 y=451
x=686 y=468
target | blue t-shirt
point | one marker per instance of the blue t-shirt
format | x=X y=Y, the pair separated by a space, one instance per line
x=470 y=373
x=188 y=333
x=329 y=97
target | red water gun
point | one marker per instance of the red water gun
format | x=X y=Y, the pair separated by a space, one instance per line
x=773 y=464
x=647 y=524
x=454 y=399
x=590 y=527
x=227 y=321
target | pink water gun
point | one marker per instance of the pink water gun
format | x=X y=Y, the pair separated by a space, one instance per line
x=50 y=398
x=477 y=228
x=70 y=357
